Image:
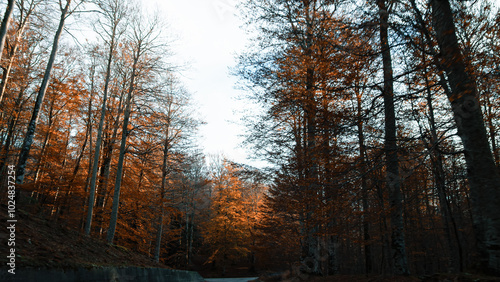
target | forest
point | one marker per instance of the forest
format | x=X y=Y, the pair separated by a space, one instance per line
x=378 y=121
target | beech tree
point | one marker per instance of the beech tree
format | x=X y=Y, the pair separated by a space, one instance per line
x=26 y=11
x=227 y=230
x=144 y=42
x=391 y=150
x=482 y=172
x=297 y=89
x=28 y=139
x=114 y=14
x=5 y=26
x=176 y=127
x=375 y=117
x=15 y=106
x=308 y=135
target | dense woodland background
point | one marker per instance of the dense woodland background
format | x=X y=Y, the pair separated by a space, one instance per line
x=379 y=120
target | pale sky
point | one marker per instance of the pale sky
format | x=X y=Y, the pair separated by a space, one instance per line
x=208 y=37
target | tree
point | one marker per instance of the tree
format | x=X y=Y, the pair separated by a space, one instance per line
x=24 y=17
x=114 y=12
x=5 y=26
x=26 y=62
x=227 y=230
x=143 y=42
x=138 y=87
x=292 y=74
x=391 y=150
x=28 y=139
x=175 y=128
x=483 y=175
x=354 y=116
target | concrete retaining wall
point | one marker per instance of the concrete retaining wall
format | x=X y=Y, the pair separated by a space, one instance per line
x=126 y=274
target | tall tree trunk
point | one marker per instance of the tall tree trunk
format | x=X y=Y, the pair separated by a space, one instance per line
x=89 y=127
x=163 y=191
x=311 y=259
x=28 y=139
x=10 y=134
x=492 y=129
x=56 y=206
x=5 y=26
x=38 y=167
x=105 y=172
x=440 y=182
x=23 y=22
x=88 y=133
x=97 y=150
x=436 y=156
x=190 y=247
x=364 y=187
x=7 y=70
x=385 y=264
x=121 y=157
x=400 y=261
x=483 y=176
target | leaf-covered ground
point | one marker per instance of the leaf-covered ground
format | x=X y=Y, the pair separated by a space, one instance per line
x=43 y=243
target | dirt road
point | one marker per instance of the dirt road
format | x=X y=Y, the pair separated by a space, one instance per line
x=231 y=279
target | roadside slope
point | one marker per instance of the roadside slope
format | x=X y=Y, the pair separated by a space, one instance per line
x=43 y=243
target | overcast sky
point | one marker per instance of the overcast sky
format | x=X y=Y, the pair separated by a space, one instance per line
x=208 y=37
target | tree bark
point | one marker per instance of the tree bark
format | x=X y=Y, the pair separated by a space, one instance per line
x=28 y=139
x=10 y=131
x=38 y=167
x=400 y=261
x=439 y=181
x=87 y=139
x=23 y=22
x=121 y=157
x=105 y=171
x=492 y=129
x=483 y=176
x=115 y=17
x=159 y=231
x=5 y=26
x=364 y=186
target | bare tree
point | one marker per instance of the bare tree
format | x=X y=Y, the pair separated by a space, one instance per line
x=5 y=25
x=173 y=130
x=113 y=12
x=23 y=20
x=484 y=179
x=391 y=151
x=28 y=139
x=144 y=36
x=25 y=13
